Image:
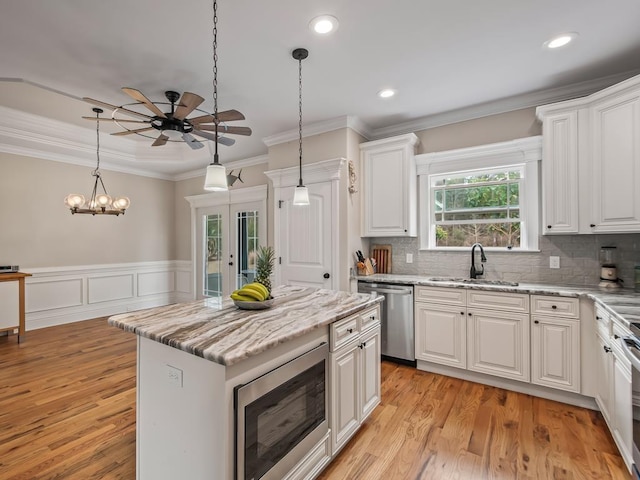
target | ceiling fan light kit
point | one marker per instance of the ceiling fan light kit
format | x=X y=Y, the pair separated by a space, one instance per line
x=98 y=203
x=301 y=193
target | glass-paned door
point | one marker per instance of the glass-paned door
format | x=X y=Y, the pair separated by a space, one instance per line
x=228 y=238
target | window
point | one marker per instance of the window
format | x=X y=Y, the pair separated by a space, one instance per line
x=486 y=194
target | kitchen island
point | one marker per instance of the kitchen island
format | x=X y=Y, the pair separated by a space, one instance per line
x=191 y=358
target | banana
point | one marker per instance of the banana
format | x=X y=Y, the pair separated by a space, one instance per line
x=264 y=293
x=254 y=294
x=242 y=298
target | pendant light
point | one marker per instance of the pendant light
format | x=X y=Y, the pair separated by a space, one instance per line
x=99 y=203
x=216 y=178
x=301 y=195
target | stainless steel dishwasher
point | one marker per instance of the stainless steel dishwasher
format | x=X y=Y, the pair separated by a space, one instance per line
x=396 y=315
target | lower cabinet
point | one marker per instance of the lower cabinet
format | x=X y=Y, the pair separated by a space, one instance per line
x=555 y=353
x=622 y=407
x=604 y=366
x=498 y=343
x=355 y=378
x=441 y=334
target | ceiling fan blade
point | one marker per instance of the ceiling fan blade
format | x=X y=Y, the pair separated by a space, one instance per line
x=161 y=140
x=137 y=95
x=117 y=120
x=130 y=132
x=226 y=116
x=221 y=140
x=223 y=129
x=188 y=103
x=126 y=111
x=192 y=141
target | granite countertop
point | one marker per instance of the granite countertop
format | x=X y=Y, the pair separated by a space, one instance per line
x=623 y=303
x=224 y=334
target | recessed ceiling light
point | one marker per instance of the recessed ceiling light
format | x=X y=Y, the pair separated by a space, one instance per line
x=560 y=40
x=324 y=24
x=386 y=93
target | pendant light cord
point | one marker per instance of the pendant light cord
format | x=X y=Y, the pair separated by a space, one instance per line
x=96 y=172
x=215 y=77
x=300 y=117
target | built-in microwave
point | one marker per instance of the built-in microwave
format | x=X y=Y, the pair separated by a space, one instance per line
x=281 y=416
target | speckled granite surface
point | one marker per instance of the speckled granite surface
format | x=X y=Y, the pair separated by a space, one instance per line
x=624 y=303
x=226 y=335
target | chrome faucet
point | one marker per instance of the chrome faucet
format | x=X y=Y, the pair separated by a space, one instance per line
x=474 y=273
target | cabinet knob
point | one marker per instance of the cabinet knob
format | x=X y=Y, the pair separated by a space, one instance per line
x=598 y=318
x=326 y=275
x=350 y=330
x=553 y=307
x=372 y=317
x=607 y=349
x=616 y=337
x=536 y=322
x=592 y=225
x=469 y=313
x=549 y=227
x=364 y=344
x=231 y=264
x=461 y=313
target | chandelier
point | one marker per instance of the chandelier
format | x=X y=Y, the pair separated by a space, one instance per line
x=98 y=203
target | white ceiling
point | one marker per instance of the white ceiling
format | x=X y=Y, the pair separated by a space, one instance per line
x=441 y=56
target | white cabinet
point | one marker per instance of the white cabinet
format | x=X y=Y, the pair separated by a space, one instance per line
x=591 y=162
x=389 y=187
x=615 y=156
x=354 y=372
x=498 y=343
x=621 y=403
x=560 y=173
x=441 y=326
x=604 y=366
x=555 y=342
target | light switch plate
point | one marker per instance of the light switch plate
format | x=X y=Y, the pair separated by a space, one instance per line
x=409 y=257
x=554 y=262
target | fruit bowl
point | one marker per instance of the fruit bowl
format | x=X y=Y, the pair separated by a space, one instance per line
x=256 y=305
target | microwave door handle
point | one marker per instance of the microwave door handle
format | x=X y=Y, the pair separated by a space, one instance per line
x=635 y=361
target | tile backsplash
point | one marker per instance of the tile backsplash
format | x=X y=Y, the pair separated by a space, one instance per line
x=579 y=260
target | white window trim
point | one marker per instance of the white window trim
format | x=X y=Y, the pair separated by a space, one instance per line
x=526 y=151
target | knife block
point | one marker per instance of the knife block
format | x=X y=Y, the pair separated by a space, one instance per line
x=367 y=269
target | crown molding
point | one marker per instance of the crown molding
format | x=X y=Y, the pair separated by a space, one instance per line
x=346 y=121
x=34 y=136
x=233 y=165
x=509 y=104
x=325 y=171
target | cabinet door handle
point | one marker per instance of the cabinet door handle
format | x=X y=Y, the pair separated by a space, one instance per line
x=616 y=337
x=350 y=330
x=553 y=307
x=607 y=349
x=592 y=225
x=536 y=322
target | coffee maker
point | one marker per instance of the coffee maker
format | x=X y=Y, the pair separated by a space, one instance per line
x=608 y=272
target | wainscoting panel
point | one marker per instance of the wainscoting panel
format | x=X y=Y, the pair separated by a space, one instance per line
x=110 y=288
x=154 y=283
x=52 y=293
x=59 y=295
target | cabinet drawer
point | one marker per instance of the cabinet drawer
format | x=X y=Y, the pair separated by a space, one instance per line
x=369 y=319
x=556 y=306
x=506 y=302
x=603 y=322
x=343 y=331
x=446 y=296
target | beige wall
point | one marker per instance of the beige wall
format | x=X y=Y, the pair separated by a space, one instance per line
x=317 y=148
x=39 y=231
x=480 y=131
x=251 y=176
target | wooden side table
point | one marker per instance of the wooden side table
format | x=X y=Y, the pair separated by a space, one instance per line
x=12 y=312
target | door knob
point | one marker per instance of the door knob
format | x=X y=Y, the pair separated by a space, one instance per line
x=326 y=275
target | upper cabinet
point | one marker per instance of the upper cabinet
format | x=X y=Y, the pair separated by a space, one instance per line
x=591 y=162
x=389 y=206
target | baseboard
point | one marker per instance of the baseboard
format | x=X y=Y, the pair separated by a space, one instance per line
x=513 y=385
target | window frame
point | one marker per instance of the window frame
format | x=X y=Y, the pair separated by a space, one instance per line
x=524 y=152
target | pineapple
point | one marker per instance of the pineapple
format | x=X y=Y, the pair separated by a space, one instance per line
x=264 y=266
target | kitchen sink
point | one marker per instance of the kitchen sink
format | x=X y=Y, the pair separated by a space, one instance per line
x=478 y=281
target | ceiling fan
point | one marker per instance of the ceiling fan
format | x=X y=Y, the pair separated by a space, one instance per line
x=174 y=125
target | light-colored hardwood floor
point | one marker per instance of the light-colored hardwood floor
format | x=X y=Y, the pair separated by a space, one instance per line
x=67 y=411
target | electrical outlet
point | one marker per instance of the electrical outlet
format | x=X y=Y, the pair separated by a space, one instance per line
x=554 y=262
x=174 y=375
x=409 y=257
